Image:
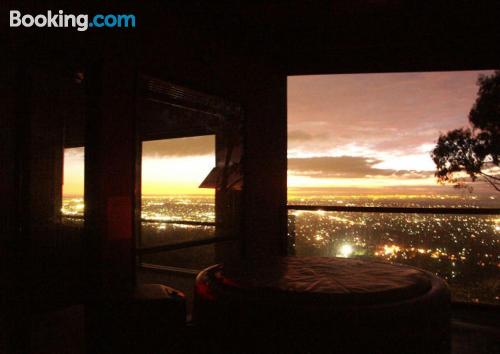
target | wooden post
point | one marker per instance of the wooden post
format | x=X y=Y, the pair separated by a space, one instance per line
x=110 y=179
x=265 y=161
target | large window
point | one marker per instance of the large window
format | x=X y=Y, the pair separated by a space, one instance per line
x=361 y=178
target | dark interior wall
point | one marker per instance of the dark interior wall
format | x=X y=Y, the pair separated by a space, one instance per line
x=390 y=36
x=44 y=163
x=10 y=246
x=9 y=183
x=31 y=178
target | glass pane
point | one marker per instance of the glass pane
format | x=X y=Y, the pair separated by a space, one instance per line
x=172 y=171
x=366 y=140
x=73 y=185
x=463 y=249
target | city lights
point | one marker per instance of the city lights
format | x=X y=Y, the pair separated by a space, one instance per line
x=463 y=249
x=345 y=250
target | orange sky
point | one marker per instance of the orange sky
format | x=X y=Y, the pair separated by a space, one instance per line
x=174 y=166
x=177 y=166
x=73 y=172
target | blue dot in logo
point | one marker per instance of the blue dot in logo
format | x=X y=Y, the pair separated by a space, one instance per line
x=91 y=24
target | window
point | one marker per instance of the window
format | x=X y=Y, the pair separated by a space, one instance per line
x=174 y=209
x=73 y=184
x=191 y=165
x=361 y=179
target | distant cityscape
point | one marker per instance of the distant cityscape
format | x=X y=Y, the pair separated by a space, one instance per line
x=463 y=249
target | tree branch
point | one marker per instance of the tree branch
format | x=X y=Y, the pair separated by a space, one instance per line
x=490 y=176
x=492 y=183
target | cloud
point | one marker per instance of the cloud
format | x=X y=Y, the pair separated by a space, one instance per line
x=300 y=135
x=180 y=147
x=74 y=154
x=346 y=167
x=391 y=113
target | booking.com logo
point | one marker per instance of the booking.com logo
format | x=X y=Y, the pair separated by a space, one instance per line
x=80 y=22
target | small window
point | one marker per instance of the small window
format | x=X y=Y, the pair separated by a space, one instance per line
x=73 y=185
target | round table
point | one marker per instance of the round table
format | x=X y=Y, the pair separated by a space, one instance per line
x=321 y=305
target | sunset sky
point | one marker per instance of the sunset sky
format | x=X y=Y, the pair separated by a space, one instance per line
x=373 y=131
x=177 y=166
x=73 y=172
x=173 y=166
x=352 y=132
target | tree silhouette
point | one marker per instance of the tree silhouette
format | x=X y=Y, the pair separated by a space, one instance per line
x=474 y=151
